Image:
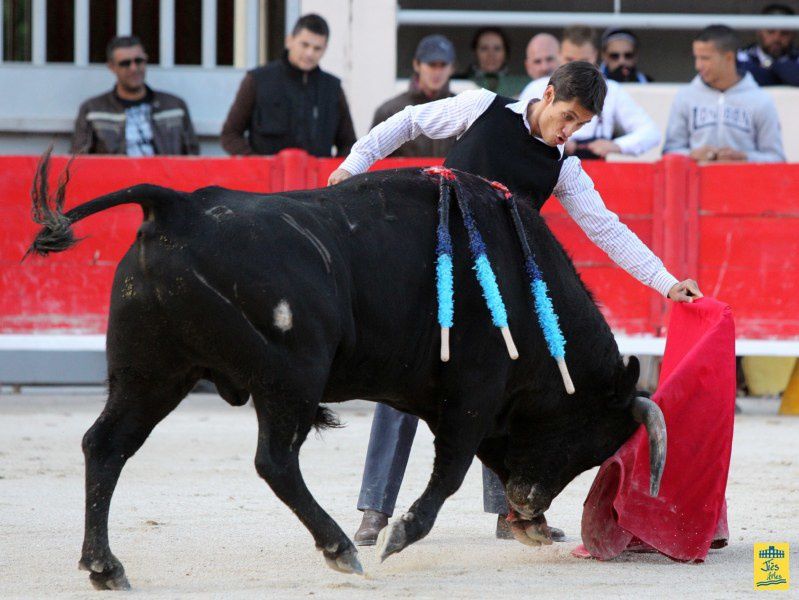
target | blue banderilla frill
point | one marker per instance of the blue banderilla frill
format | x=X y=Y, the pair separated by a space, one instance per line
x=482 y=266
x=444 y=278
x=547 y=318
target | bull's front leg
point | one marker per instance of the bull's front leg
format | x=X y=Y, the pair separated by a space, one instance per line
x=458 y=436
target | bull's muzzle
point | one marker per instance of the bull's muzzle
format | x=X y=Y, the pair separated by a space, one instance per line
x=648 y=413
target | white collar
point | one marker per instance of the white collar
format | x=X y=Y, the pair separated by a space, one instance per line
x=520 y=107
x=765 y=59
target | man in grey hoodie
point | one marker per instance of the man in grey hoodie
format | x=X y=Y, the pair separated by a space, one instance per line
x=723 y=115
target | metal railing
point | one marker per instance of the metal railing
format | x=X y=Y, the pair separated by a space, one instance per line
x=247 y=31
x=479 y=18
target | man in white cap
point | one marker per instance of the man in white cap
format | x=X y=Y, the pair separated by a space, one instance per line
x=620 y=57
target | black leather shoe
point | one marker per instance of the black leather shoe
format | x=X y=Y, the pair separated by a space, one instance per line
x=372 y=523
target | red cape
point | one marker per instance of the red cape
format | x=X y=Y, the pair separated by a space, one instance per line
x=696 y=393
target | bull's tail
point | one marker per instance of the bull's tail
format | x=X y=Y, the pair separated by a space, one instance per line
x=56 y=234
x=325 y=419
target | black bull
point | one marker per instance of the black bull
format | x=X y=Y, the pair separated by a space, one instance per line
x=327 y=295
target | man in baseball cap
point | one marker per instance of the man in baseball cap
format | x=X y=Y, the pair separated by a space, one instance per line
x=434 y=49
x=433 y=65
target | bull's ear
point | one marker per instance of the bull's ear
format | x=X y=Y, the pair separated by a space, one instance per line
x=631 y=373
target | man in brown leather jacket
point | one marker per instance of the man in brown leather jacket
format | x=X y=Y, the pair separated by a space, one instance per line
x=433 y=65
x=132 y=118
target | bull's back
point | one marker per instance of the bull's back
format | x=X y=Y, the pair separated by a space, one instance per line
x=354 y=267
x=385 y=227
x=345 y=270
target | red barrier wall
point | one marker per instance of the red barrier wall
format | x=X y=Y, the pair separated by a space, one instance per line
x=733 y=227
x=747 y=250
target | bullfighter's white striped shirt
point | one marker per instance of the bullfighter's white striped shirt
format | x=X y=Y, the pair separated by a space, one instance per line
x=574 y=189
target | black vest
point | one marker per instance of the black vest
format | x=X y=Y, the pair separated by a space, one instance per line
x=294 y=109
x=499 y=147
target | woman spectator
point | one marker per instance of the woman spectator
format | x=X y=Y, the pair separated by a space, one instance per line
x=489 y=70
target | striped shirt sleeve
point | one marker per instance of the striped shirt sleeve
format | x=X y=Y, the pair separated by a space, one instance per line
x=444 y=118
x=576 y=193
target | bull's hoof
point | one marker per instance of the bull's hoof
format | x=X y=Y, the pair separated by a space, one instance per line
x=557 y=534
x=533 y=533
x=393 y=538
x=105 y=573
x=344 y=562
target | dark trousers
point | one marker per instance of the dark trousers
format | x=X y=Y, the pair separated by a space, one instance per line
x=390 y=444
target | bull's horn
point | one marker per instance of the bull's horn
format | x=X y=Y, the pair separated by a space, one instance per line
x=647 y=412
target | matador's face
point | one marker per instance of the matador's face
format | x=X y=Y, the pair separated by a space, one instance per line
x=557 y=120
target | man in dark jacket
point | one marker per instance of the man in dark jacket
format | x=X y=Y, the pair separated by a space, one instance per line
x=291 y=102
x=773 y=60
x=132 y=118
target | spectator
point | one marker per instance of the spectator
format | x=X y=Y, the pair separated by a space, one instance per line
x=621 y=114
x=620 y=57
x=132 y=118
x=773 y=60
x=491 y=49
x=542 y=55
x=433 y=65
x=721 y=115
x=291 y=102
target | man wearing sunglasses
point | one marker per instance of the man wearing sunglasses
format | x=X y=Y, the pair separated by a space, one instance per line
x=774 y=59
x=623 y=127
x=132 y=118
x=620 y=57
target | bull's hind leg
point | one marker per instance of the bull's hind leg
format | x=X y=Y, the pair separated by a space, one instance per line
x=284 y=420
x=463 y=424
x=136 y=404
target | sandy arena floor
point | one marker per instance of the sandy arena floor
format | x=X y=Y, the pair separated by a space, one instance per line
x=190 y=517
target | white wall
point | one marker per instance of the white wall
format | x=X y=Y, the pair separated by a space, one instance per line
x=362 y=51
x=40 y=102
